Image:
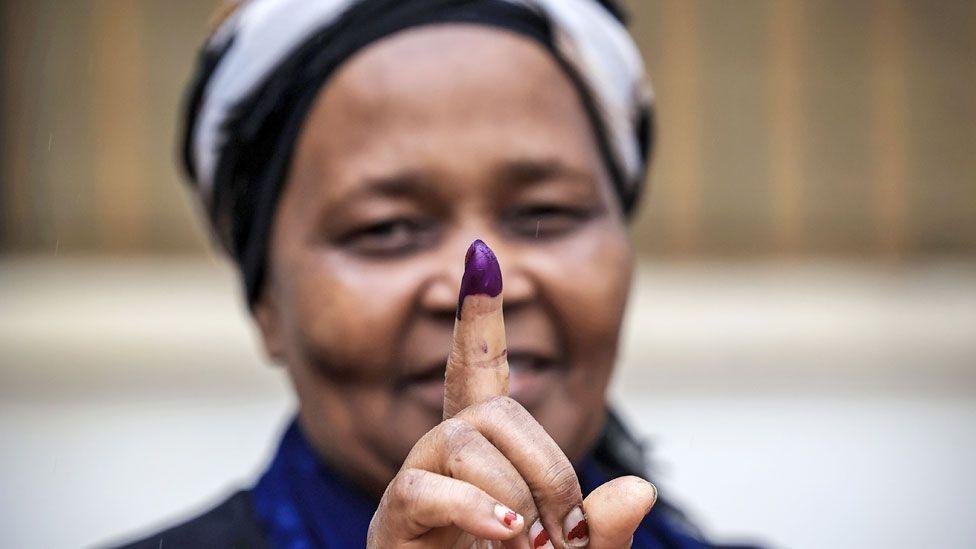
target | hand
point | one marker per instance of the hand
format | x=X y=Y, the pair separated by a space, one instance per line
x=489 y=474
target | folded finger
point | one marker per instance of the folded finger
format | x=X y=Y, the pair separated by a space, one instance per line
x=457 y=449
x=540 y=462
x=418 y=501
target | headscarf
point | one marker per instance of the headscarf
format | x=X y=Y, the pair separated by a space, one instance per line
x=262 y=68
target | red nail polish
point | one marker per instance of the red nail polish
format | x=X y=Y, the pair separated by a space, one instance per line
x=509 y=518
x=539 y=536
x=575 y=529
x=580 y=532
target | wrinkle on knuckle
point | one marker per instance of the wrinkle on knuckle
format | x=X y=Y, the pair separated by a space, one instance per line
x=457 y=437
x=455 y=429
x=561 y=484
x=521 y=497
x=501 y=405
x=450 y=425
x=456 y=455
x=406 y=488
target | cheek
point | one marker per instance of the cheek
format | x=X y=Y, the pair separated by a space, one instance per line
x=345 y=342
x=585 y=282
x=588 y=284
x=346 y=317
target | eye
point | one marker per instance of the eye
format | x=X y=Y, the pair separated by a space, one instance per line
x=389 y=237
x=546 y=220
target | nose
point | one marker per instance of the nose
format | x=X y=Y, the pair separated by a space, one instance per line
x=517 y=285
x=441 y=292
x=440 y=295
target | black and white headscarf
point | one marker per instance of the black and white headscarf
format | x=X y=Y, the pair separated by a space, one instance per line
x=260 y=71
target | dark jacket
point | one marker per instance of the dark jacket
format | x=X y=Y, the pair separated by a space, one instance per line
x=234 y=524
x=230 y=524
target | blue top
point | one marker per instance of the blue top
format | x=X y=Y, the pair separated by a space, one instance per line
x=302 y=504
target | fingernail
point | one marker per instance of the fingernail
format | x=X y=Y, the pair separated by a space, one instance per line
x=482 y=275
x=509 y=518
x=575 y=530
x=539 y=536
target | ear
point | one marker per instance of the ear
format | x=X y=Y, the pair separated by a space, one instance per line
x=267 y=315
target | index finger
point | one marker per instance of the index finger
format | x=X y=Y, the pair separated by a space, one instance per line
x=477 y=368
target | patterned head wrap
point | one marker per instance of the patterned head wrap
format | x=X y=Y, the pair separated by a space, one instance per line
x=260 y=71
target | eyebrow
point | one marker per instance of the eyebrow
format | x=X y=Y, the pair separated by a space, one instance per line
x=523 y=171
x=396 y=185
x=516 y=172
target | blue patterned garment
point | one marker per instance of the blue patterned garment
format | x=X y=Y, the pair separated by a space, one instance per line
x=302 y=504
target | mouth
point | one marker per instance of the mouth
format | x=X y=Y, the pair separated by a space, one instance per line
x=531 y=377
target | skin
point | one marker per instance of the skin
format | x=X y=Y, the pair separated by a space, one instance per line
x=418 y=145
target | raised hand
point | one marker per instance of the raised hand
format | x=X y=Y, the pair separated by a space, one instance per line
x=489 y=474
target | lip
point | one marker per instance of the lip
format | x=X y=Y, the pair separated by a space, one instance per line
x=531 y=377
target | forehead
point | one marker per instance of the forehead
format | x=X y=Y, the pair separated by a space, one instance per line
x=451 y=97
x=432 y=63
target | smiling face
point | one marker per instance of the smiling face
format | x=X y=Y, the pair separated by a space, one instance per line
x=418 y=145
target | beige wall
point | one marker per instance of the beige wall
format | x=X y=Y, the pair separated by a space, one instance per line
x=837 y=127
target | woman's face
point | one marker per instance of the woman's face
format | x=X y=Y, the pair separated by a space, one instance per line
x=421 y=143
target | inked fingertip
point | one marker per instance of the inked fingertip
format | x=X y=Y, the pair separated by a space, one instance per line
x=482 y=274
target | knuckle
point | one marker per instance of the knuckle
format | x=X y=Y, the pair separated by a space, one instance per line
x=457 y=436
x=520 y=496
x=454 y=429
x=405 y=487
x=503 y=405
x=561 y=483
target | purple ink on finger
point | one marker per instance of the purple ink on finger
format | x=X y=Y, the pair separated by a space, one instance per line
x=482 y=275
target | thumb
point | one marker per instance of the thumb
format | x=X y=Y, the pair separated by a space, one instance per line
x=477 y=368
x=616 y=509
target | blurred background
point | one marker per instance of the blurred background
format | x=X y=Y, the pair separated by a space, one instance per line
x=800 y=350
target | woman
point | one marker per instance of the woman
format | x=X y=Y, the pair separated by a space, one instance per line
x=347 y=153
